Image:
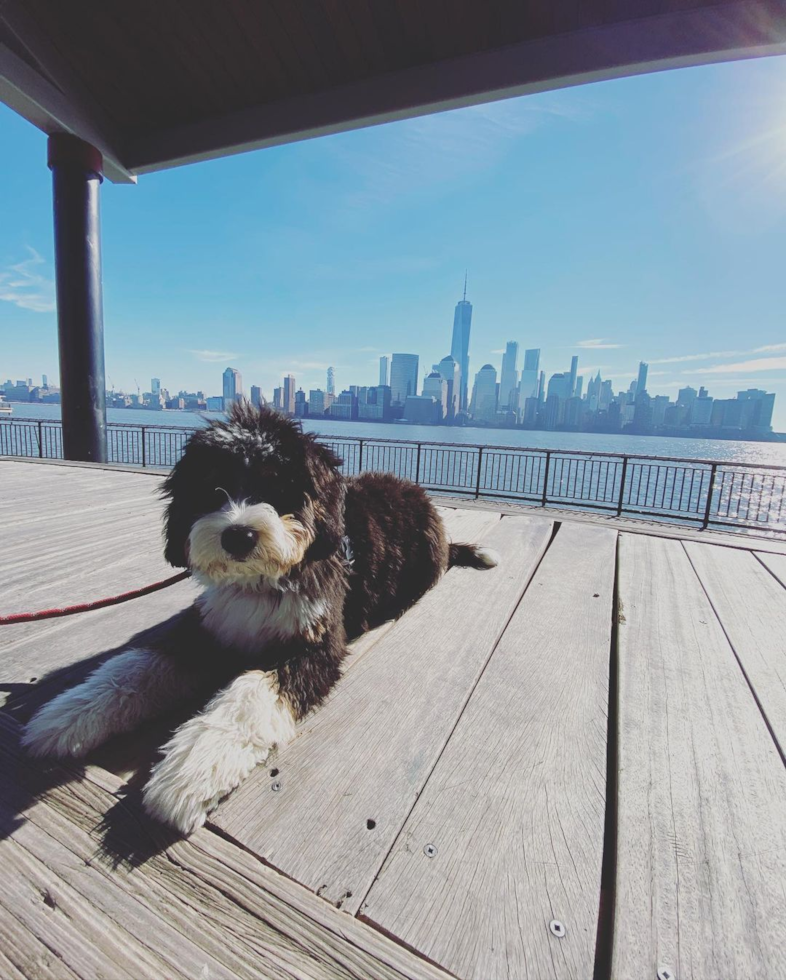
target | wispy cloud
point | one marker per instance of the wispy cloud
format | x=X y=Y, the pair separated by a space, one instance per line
x=599 y=343
x=214 y=356
x=700 y=357
x=768 y=347
x=22 y=285
x=429 y=153
x=761 y=364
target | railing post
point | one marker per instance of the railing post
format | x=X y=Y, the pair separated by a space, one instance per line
x=40 y=440
x=360 y=456
x=622 y=484
x=144 y=454
x=417 y=465
x=546 y=479
x=710 y=492
x=477 y=482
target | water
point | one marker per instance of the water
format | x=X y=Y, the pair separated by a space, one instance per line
x=730 y=451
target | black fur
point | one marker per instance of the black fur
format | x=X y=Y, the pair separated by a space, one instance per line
x=398 y=542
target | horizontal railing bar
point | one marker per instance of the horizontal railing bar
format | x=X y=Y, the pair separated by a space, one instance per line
x=584 y=454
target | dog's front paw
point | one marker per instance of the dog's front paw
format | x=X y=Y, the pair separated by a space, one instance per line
x=201 y=765
x=64 y=727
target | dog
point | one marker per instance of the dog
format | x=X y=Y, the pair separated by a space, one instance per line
x=295 y=559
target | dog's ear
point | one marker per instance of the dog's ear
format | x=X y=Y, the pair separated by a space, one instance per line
x=324 y=469
x=177 y=519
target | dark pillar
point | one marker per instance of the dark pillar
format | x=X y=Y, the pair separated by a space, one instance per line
x=76 y=177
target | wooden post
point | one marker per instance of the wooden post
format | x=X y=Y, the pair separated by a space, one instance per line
x=76 y=177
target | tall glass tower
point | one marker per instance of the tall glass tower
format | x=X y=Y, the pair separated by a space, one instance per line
x=459 y=348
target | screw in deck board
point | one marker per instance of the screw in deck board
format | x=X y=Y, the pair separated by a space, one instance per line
x=666 y=973
x=430 y=850
x=276 y=786
x=557 y=928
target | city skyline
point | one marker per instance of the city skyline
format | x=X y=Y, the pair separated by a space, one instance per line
x=662 y=244
x=509 y=398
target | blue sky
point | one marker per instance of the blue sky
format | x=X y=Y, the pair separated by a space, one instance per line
x=643 y=218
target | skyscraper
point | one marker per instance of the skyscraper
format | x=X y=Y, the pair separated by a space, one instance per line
x=437 y=387
x=289 y=394
x=528 y=386
x=484 y=394
x=459 y=348
x=449 y=370
x=256 y=396
x=233 y=387
x=155 y=387
x=331 y=381
x=641 y=383
x=510 y=376
x=384 y=369
x=574 y=366
x=403 y=377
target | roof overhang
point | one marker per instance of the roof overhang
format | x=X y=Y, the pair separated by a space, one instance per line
x=46 y=76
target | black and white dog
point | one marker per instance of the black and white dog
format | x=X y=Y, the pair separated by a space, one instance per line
x=295 y=559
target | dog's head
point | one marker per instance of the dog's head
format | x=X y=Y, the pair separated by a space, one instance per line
x=252 y=498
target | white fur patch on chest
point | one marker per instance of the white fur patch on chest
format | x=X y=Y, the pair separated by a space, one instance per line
x=246 y=620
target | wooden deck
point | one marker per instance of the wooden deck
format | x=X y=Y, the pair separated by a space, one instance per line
x=571 y=765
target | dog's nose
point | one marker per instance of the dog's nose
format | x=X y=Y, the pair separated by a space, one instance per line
x=239 y=541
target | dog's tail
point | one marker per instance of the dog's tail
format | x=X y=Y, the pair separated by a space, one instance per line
x=472 y=556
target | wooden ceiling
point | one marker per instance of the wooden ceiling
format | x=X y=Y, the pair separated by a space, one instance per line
x=157 y=83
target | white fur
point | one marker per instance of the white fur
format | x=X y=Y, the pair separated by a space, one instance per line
x=213 y=753
x=245 y=619
x=488 y=556
x=276 y=551
x=123 y=691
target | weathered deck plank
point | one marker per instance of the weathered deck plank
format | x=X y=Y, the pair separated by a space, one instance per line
x=348 y=782
x=751 y=606
x=776 y=564
x=516 y=804
x=199 y=908
x=702 y=788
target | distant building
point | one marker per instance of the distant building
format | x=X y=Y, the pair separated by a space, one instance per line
x=301 y=405
x=384 y=370
x=44 y=381
x=449 y=370
x=421 y=409
x=278 y=399
x=331 y=382
x=509 y=377
x=376 y=404
x=528 y=385
x=233 y=387
x=215 y=403
x=641 y=381
x=436 y=387
x=484 y=395
x=256 y=396
x=155 y=386
x=574 y=366
x=289 y=394
x=459 y=348
x=345 y=406
x=403 y=377
x=686 y=397
x=318 y=402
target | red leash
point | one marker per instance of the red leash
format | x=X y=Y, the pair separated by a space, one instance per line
x=114 y=600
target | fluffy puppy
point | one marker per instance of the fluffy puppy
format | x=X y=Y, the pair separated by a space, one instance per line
x=294 y=559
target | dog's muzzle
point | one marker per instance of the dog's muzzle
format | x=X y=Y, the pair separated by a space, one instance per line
x=239 y=541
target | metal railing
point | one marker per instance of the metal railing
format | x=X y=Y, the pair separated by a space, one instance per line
x=703 y=492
